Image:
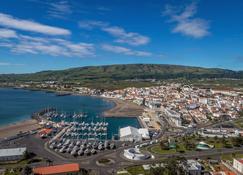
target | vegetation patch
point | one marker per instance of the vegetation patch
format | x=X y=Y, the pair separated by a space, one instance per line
x=137 y=75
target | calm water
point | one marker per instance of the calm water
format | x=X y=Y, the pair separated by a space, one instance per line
x=19 y=104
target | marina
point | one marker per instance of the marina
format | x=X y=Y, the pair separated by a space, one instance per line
x=75 y=135
x=79 y=126
x=17 y=105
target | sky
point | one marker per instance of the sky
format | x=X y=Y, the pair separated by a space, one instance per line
x=38 y=35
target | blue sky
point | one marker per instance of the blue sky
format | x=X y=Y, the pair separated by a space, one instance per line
x=40 y=35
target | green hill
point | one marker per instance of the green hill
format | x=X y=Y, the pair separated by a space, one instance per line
x=105 y=76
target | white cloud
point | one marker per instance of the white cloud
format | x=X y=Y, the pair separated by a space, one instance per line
x=131 y=38
x=29 y=25
x=6 y=33
x=10 y=64
x=91 y=24
x=196 y=28
x=186 y=24
x=59 y=9
x=124 y=50
x=48 y=46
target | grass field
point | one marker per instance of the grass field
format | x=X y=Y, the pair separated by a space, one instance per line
x=157 y=149
x=231 y=156
x=186 y=144
x=135 y=170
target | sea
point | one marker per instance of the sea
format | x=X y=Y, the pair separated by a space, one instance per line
x=18 y=104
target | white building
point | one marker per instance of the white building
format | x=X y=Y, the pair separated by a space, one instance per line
x=193 y=167
x=144 y=133
x=238 y=165
x=218 y=132
x=203 y=101
x=173 y=117
x=12 y=154
x=135 y=154
x=133 y=134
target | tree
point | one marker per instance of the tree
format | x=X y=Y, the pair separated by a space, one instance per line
x=49 y=162
x=164 y=145
x=237 y=141
x=26 y=170
x=190 y=145
x=28 y=155
x=171 y=166
x=158 y=170
x=241 y=113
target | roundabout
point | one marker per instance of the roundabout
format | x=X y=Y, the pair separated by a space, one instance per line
x=105 y=162
x=135 y=154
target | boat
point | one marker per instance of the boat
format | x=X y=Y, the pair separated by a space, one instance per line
x=80 y=152
x=93 y=151
x=78 y=143
x=112 y=146
x=100 y=146
x=73 y=152
x=106 y=144
x=63 y=94
x=87 y=152
x=69 y=149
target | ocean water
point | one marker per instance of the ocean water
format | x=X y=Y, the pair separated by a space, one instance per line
x=18 y=104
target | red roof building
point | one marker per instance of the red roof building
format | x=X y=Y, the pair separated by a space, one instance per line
x=45 y=131
x=57 y=169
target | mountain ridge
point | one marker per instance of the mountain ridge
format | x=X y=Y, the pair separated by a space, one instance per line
x=107 y=74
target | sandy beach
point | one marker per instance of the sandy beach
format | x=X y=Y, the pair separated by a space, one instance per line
x=13 y=129
x=123 y=109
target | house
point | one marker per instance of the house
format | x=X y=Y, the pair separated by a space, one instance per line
x=45 y=132
x=72 y=168
x=173 y=117
x=238 y=165
x=144 y=133
x=193 y=167
x=224 y=173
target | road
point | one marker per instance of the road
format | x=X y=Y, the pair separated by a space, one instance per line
x=36 y=145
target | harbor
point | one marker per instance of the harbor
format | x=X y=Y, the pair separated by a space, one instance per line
x=16 y=116
x=75 y=135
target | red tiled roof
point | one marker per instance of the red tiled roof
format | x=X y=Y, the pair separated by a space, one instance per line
x=224 y=172
x=57 y=169
x=45 y=131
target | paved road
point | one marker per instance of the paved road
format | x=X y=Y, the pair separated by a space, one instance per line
x=37 y=145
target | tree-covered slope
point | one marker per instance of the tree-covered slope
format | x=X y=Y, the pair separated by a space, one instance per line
x=115 y=73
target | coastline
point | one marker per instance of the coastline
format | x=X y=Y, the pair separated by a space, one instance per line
x=121 y=109
x=125 y=109
x=18 y=127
